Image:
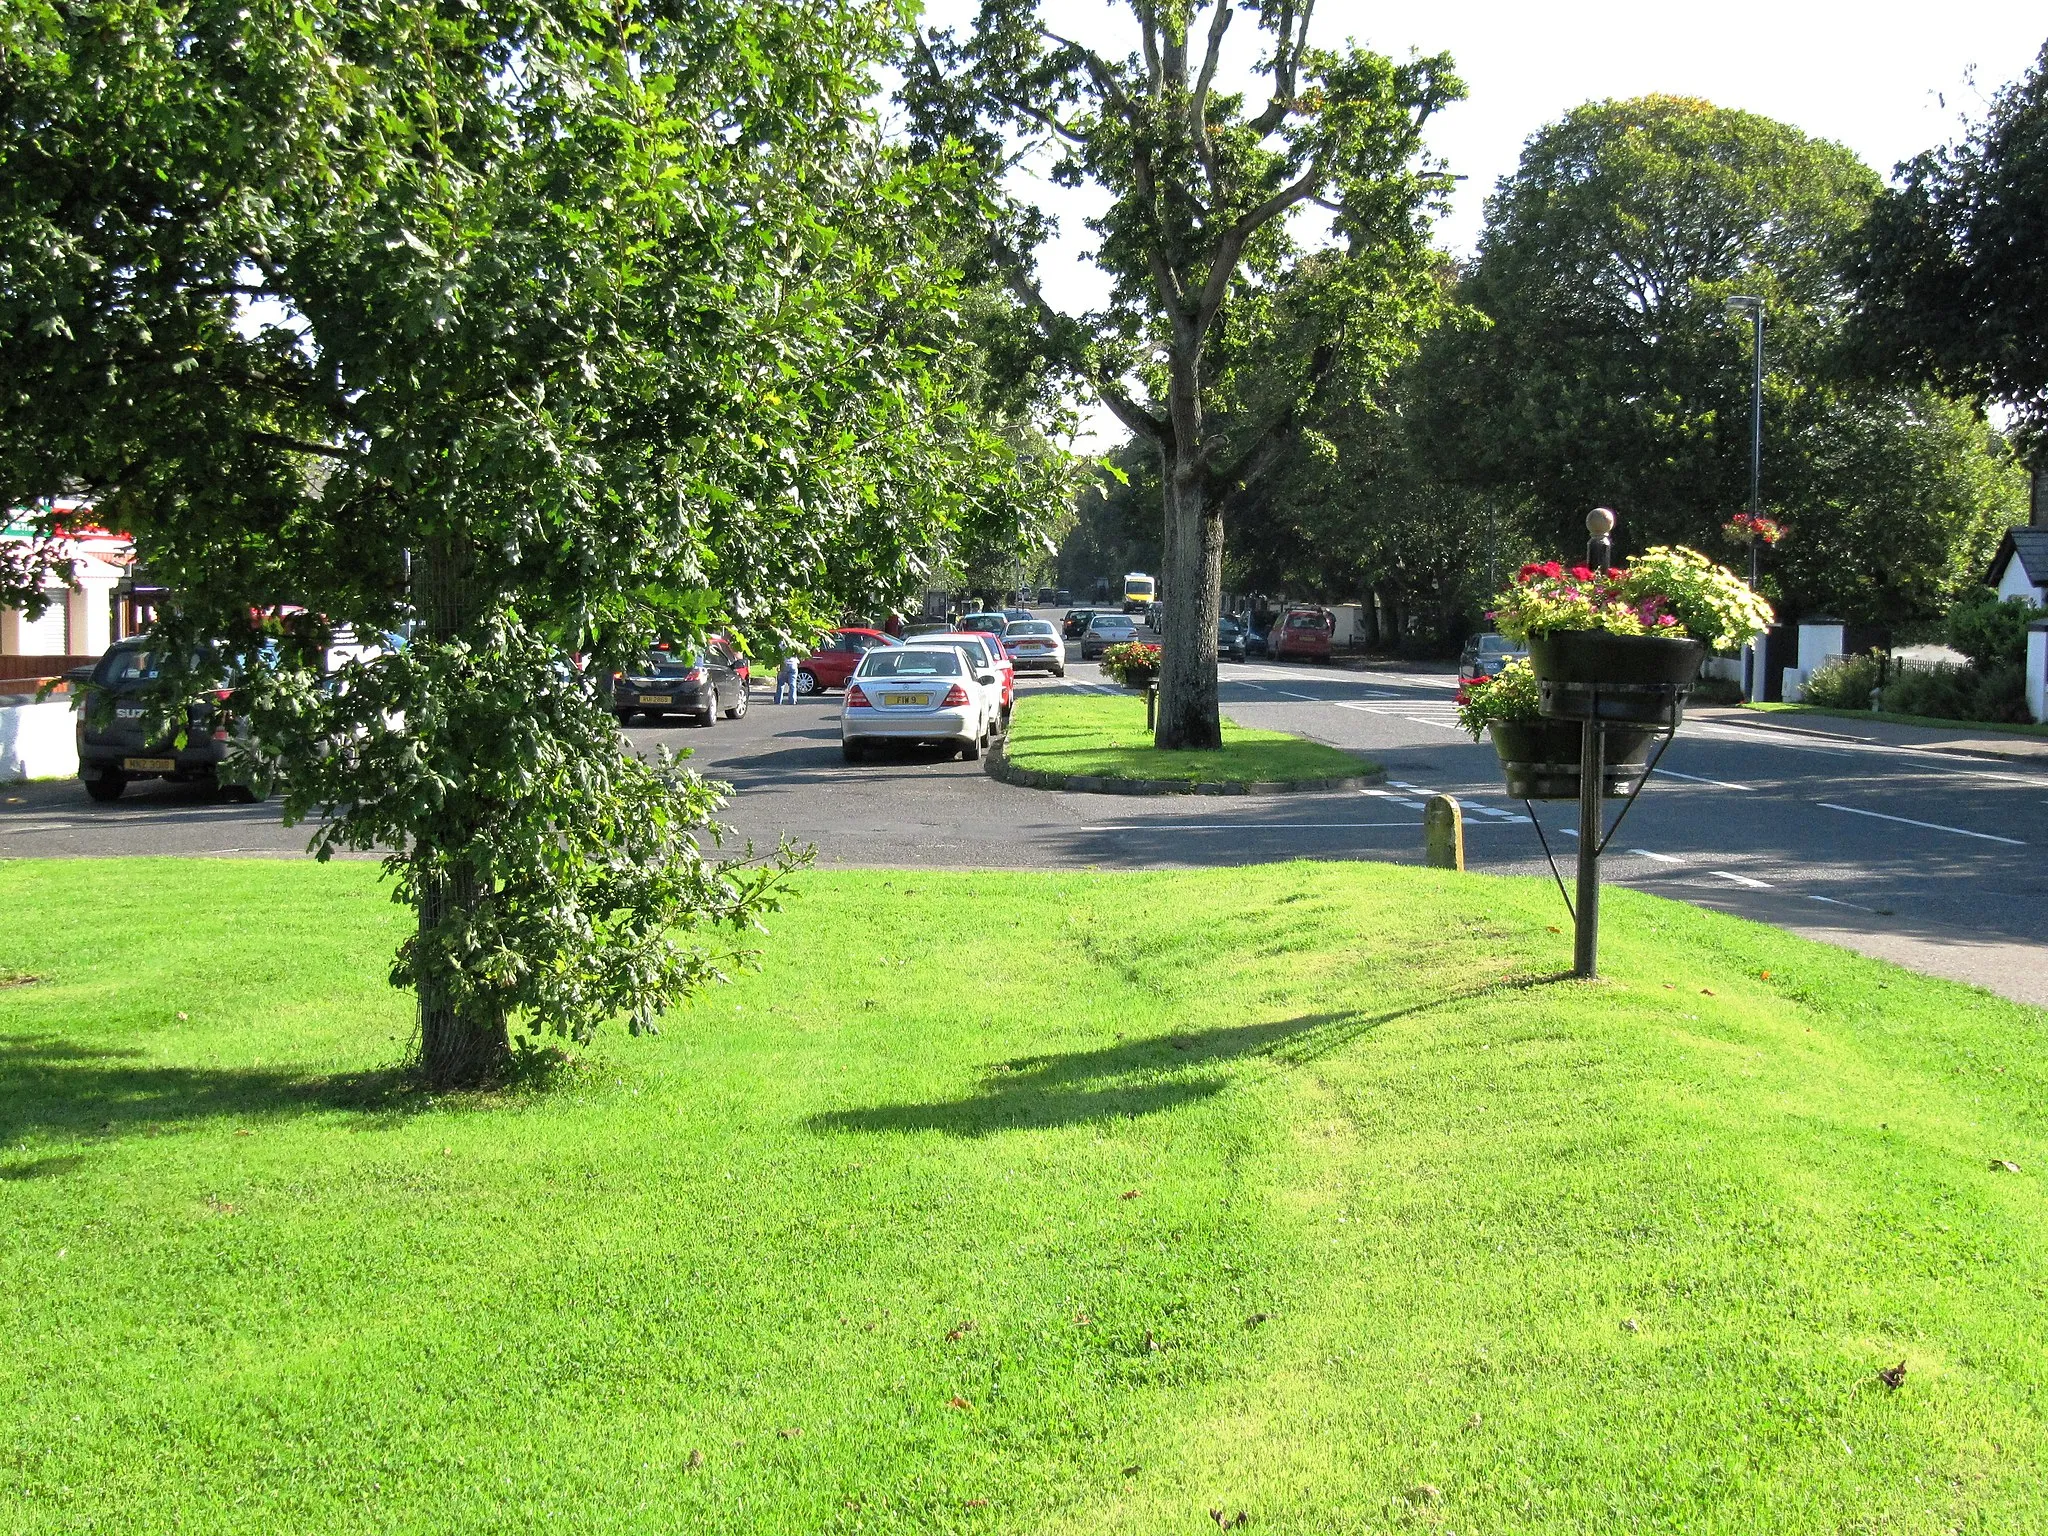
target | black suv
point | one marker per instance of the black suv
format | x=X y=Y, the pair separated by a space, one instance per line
x=112 y=750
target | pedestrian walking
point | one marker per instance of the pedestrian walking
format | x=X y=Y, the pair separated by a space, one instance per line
x=785 y=681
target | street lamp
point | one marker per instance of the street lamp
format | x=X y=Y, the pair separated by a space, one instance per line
x=1739 y=305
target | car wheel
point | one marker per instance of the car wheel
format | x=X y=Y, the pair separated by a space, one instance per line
x=739 y=710
x=625 y=716
x=852 y=751
x=1059 y=671
x=243 y=794
x=970 y=752
x=107 y=787
x=806 y=683
x=708 y=716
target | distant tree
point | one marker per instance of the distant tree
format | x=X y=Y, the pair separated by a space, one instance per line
x=536 y=329
x=1197 y=244
x=1602 y=370
x=1951 y=269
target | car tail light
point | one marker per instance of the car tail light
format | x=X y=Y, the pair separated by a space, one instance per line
x=855 y=699
x=223 y=694
x=956 y=697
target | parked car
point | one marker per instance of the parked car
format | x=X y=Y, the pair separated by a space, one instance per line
x=1485 y=655
x=113 y=749
x=983 y=652
x=1303 y=632
x=1061 y=598
x=1229 y=641
x=1105 y=630
x=984 y=623
x=923 y=692
x=1076 y=621
x=1047 y=597
x=832 y=663
x=926 y=627
x=708 y=683
x=1014 y=615
x=1034 y=645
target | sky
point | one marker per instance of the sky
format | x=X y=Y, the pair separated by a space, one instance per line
x=1886 y=79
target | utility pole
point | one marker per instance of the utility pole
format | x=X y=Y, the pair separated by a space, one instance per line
x=1740 y=305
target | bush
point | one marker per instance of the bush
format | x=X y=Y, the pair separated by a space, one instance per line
x=1997 y=694
x=1992 y=631
x=1134 y=664
x=1844 y=682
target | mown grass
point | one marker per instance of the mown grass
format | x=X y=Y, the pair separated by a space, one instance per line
x=1104 y=736
x=1020 y=1203
x=2002 y=727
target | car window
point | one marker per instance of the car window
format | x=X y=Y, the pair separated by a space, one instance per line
x=1305 y=621
x=1035 y=627
x=910 y=661
x=1496 y=645
x=139 y=665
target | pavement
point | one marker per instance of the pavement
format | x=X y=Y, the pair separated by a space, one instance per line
x=1894 y=841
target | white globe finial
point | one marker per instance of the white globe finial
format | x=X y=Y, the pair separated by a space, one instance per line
x=1599 y=522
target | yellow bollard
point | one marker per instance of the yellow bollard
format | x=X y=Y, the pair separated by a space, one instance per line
x=1443 y=834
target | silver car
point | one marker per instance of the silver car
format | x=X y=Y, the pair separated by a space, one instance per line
x=916 y=693
x=1105 y=630
x=1034 y=645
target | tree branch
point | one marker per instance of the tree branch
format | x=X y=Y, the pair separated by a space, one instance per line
x=1258 y=460
x=1287 y=52
x=1231 y=246
x=1058 y=328
x=1198 y=105
x=300 y=445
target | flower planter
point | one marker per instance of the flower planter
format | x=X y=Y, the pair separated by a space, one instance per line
x=1540 y=758
x=1586 y=674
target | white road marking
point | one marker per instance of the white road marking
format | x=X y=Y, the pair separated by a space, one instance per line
x=1932 y=826
x=1755 y=885
x=1449 y=725
x=1311 y=698
x=1661 y=858
x=1673 y=773
x=1261 y=826
x=1834 y=903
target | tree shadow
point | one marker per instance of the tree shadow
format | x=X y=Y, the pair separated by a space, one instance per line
x=53 y=1085
x=1136 y=1077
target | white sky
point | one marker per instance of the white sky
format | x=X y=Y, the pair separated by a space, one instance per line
x=1885 y=78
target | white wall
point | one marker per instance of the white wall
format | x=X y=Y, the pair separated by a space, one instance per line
x=2014 y=582
x=37 y=741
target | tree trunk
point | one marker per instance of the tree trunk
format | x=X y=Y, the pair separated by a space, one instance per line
x=461 y=1046
x=1189 y=714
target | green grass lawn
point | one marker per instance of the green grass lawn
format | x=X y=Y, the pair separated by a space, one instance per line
x=2003 y=727
x=1065 y=1203
x=1104 y=736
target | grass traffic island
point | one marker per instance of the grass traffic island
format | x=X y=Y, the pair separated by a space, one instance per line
x=1023 y=1203
x=1094 y=741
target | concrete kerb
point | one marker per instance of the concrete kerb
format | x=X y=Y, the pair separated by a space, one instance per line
x=998 y=766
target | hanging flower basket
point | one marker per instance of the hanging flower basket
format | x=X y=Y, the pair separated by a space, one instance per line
x=1540 y=759
x=1592 y=674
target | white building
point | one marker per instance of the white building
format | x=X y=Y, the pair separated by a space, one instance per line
x=85 y=614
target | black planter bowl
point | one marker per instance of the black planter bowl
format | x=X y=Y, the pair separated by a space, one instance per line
x=1540 y=758
x=1588 y=674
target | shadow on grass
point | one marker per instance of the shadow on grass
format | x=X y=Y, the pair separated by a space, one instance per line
x=1136 y=1077
x=51 y=1084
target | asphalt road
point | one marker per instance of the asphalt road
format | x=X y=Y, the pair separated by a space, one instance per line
x=1923 y=856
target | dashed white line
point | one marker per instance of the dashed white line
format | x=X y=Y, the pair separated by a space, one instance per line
x=1673 y=773
x=1834 y=903
x=1661 y=858
x=1932 y=826
x=1755 y=885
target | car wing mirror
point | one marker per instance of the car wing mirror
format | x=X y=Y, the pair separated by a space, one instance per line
x=79 y=676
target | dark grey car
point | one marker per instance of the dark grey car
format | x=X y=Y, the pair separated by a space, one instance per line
x=708 y=684
x=1105 y=630
x=113 y=749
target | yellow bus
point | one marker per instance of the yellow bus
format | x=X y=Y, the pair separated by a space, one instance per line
x=1138 y=591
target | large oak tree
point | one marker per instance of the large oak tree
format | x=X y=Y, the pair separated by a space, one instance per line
x=1207 y=274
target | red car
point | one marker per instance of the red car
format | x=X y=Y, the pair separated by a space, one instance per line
x=1303 y=632
x=833 y=662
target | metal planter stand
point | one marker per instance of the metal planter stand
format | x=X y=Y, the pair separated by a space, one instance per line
x=1599 y=707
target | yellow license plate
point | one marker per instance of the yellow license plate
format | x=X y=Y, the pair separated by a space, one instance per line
x=657 y=698
x=150 y=764
x=902 y=698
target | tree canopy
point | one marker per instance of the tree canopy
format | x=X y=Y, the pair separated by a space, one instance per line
x=1951 y=269
x=531 y=332
x=1206 y=271
x=1601 y=370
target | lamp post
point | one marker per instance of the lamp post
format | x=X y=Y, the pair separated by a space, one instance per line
x=1739 y=305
